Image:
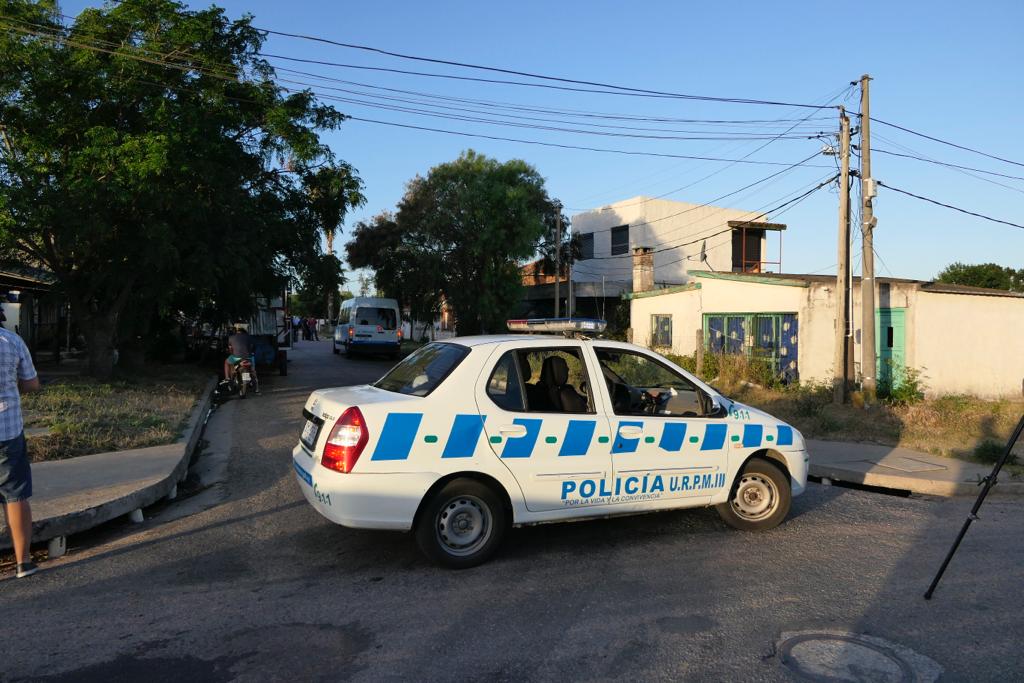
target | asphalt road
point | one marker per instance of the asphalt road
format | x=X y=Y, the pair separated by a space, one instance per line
x=260 y=587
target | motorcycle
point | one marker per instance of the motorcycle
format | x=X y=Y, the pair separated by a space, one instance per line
x=243 y=379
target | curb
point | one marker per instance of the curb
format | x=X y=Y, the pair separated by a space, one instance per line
x=929 y=487
x=130 y=501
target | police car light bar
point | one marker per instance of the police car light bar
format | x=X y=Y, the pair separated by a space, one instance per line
x=579 y=325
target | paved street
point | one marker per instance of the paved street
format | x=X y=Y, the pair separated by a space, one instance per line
x=261 y=587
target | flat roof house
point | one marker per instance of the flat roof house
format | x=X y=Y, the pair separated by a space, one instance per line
x=962 y=339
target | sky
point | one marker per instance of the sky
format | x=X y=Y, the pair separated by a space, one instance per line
x=951 y=70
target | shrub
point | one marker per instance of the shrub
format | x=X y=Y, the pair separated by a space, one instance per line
x=688 y=363
x=908 y=392
x=810 y=398
x=989 y=452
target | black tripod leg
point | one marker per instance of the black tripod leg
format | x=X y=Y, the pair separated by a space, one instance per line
x=989 y=483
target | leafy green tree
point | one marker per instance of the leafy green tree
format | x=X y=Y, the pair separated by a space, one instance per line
x=990 y=275
x=141 y=160
x=333 y=190
x=402 y=268
x=474 y=220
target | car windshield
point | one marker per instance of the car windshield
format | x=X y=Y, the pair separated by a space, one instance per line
x=423 y=371
x=369 y=315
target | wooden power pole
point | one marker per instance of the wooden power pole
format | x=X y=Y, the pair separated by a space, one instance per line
x=558 y=255
x=868 y=362
x=840 y=378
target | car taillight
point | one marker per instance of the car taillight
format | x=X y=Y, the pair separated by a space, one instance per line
x=379 y=329
x=351 y=332
x=346 y=442
x=399 y=335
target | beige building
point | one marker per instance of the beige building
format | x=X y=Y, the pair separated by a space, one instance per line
x=733 y=241
x=962 y=339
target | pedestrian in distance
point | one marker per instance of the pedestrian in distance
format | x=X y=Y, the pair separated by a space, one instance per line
x=313 y=332
x=296 y=328
x=17 y=376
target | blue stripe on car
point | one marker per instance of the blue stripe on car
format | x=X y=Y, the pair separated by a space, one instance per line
x=464 y=436
x=577 y=437
x=673 y=436
x=752 y=435
x=714 y=437
x=624 y=445
x=303 y=474
x=785 y=436
x=522 y=446
x=397 y=435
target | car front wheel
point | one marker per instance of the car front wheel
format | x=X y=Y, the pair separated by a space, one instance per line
x=462 y=525
x=760 y=498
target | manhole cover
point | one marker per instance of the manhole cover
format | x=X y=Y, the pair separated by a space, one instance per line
x=842 y=656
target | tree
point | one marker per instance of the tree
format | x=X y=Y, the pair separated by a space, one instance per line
x=474 y=220
x=333 y=190
x=321 y=278
x=140 y=161
x=990 y=275
x=402 y=269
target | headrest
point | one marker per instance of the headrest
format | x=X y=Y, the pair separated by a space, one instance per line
x=555 y=370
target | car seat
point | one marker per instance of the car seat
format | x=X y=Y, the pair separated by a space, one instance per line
x=554 y=377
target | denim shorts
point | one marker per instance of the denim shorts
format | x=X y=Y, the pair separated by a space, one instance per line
x=15 y=474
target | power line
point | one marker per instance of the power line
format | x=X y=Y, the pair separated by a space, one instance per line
x=947 y=164
x=761 y=215
x=626 y=90
x=949 y=206
x=564 y=146
x=945 y=142
x=187 y=68
x=712 y=201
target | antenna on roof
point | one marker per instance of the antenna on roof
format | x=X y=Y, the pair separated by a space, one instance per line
x=704 y=254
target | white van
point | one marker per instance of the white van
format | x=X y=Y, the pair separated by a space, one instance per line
x=369 y=324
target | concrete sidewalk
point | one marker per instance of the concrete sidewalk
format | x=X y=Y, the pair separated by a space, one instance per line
x=901 y=468
x=77 y=494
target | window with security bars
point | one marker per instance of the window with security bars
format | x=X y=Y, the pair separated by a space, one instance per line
x=770 y=337
x=620 y=240
x=661 y=330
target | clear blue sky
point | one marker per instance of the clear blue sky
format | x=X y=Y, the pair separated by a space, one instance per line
x=949 y=69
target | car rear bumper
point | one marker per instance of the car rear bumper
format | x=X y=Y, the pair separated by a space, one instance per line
x=361 y=501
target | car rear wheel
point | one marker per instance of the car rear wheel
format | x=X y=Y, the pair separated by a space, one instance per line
x=334 y=347
x=462 y=525
x=760 y=498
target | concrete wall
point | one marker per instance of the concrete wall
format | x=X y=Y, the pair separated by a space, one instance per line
x=970 y=344
x=658 y=223
x=961 y=343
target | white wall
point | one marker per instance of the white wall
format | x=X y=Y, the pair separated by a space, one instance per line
x=658 y=223
x=970 y=344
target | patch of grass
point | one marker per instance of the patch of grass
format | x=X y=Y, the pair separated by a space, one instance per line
x=85 y=416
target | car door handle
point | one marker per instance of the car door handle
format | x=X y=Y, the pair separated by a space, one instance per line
x=513 y=430
x=631 y=432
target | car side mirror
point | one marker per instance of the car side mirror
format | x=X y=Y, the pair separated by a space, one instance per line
x=717 y=406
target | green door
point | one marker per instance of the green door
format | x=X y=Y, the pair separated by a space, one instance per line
x=890 y=345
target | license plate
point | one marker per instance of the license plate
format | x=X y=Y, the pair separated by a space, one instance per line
x=309 y=433
x=246 y=376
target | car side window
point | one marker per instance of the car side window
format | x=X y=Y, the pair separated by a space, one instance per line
x=504 y=387
x=555 y=381
x=640 y=385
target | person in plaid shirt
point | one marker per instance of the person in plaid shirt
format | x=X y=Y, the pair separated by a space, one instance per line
x=17 y=376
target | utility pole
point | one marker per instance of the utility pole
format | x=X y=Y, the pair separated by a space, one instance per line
x=840 y=383
x=558 y=255
x=868 y=362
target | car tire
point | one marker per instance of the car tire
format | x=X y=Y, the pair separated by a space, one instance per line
x=348 y=350
x=759 y=499
x=462 y=525
x=334 y=347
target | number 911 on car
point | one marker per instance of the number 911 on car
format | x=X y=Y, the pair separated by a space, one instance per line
x=467 y=437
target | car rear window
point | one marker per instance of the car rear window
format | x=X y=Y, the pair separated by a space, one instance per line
x=367 y=315
x=423 y=371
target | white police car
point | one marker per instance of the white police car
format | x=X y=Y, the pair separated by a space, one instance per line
x=466 y=437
